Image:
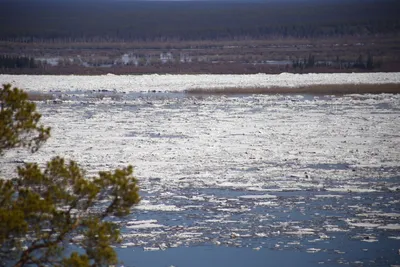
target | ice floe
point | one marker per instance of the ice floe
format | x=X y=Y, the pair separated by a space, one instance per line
x=393 y=226
x=363 y=224
x=143 y=224
x=157 y=207
x=266 y=196
x=313 y=250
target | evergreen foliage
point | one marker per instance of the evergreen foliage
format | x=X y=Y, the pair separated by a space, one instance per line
x=19 y=121
x=44 y=210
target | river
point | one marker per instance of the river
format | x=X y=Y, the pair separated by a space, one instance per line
x=238 y=180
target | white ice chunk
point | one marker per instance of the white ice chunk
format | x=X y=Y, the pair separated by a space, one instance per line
x=394 y=226
x=158 y=207
x=143 y=224
x=328 y=196
x=313 y=250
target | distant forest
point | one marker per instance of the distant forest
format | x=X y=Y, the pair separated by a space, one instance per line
x=116 y=21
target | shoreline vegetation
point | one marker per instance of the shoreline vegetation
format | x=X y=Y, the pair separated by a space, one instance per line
x=317 y=89
x=37 y=96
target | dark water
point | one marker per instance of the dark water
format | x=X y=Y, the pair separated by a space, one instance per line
x=372 y=255
x=302 y=228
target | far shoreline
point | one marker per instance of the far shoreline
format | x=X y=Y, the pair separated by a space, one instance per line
x=192 y=85
x=206 y=71
x=314 y=89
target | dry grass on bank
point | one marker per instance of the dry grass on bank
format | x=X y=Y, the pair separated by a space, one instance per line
x=323 y=89
x=36 y=96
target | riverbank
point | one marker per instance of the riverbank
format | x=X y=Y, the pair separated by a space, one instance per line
x=324 y=89
x=327 y=83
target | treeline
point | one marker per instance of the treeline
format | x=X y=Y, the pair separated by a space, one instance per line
x=16 y=62
x=361 y=63
x=94 y=21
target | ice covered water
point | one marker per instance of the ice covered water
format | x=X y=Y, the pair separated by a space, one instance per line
x=314 y=174
x=138 y=83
